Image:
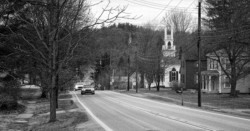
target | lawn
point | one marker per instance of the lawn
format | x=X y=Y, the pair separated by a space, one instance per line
x=67 y=119
x=209 y=99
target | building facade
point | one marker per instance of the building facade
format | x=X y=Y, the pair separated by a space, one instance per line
x=189 y=68
x=215 y=81
x=170 y=62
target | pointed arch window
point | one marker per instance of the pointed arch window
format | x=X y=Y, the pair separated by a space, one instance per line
x=173 y=75
x=169 y=45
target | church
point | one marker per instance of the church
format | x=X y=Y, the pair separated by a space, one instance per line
x=170 y=61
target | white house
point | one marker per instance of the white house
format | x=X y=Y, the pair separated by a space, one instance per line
x=214 y=79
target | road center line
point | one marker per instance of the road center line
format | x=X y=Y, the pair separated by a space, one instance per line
x=162 y=115
x=102 y=124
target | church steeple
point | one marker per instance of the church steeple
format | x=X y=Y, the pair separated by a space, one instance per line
x=169 y=47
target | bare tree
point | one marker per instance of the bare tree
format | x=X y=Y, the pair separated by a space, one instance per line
x=228 y=21
x=180 y=19
x=54 y=29
x=149 y=54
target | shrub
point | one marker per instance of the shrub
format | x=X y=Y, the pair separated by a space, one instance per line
x=9 y=94
x=176 y=86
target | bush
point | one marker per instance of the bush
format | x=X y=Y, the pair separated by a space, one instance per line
x=7 y=102
x=9 y=94
x=176 y=86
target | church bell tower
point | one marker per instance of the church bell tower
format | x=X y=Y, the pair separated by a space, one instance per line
x=169 y=47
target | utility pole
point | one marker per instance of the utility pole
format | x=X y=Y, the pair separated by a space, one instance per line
x=136 y=73
x=128 y=72
x=199 y=53
x=110 y=71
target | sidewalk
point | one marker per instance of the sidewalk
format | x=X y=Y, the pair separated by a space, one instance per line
x=36 y=115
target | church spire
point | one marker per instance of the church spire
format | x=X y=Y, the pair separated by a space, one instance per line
x=169 y=47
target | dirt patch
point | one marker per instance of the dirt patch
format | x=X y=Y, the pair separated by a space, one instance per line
x=65 y=122
x=65 y=96
x=18 y=126
x=68 y=117
x=44 y=107
x=17 y=110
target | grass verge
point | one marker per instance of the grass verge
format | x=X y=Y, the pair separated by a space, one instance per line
x=65 y=122
x=68 y=117
x=223 y=101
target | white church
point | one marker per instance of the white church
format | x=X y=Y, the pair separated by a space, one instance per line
x=170 y=62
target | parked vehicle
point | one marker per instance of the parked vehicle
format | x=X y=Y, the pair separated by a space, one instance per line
x=78 y=86
x=88 y=89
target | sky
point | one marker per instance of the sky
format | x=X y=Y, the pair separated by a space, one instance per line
x=151 y=11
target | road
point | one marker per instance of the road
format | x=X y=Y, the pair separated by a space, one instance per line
x=120 y=112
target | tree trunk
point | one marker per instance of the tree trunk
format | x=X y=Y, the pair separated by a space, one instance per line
x=43 y=85
x=53 y=42
x=233 y=81
x=158 y=72
x=44 y=94
x=158 y=80
x=142 y=81
x=233 y=88
x=149 y=86
x=158 y=85
x=53 y=99
x=57 y=76
x=57 y=87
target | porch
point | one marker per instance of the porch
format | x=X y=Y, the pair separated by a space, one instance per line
x=211 y=81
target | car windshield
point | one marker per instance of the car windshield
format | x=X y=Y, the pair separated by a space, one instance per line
x=88 y=86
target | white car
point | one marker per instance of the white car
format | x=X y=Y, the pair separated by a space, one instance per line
x=88 y=89
x=78 y=87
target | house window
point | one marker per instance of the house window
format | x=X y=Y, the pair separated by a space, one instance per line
x=210 y=63
x=173 y=75
x=213 y=64
x=227 y=82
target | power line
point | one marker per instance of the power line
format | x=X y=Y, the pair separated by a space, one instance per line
x=159 y=8
x=157 y=5
x=190 y=5
x=166 y=8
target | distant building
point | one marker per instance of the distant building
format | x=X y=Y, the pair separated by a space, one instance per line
x=214 y=79
x=170 y=62
x=189 y=68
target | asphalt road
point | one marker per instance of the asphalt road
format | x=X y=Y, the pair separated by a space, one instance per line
x=119 y=112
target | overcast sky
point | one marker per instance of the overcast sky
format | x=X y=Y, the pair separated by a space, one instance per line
x=150 y=10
